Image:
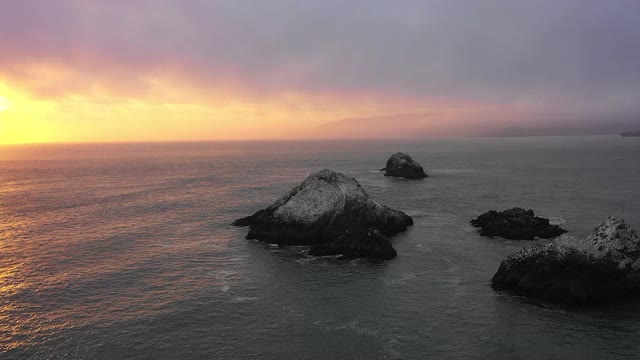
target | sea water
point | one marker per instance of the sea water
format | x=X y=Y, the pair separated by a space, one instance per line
x=121 y=251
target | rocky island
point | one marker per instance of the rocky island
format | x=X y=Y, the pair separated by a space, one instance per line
x=516 y=224
x=402 y=165
x=333 y=212
x=600 y=268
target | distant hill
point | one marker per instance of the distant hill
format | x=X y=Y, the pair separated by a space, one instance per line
x=399 y=126
x=586 y=128
x=417 y=125
x=433 y=124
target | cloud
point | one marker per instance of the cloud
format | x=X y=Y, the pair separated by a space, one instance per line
x=548 y=54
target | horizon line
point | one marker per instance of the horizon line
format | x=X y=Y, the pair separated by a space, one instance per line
x=293 y=139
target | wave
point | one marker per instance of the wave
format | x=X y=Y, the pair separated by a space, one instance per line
x=415 y=213
x=400 y=279
x=307 y=260
x=556 y=220
x=451 y=171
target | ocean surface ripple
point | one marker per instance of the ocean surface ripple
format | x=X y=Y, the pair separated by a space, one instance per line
x=125 y=251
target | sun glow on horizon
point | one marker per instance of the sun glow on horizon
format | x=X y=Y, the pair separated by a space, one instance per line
x=24 y=119
x=52 y=103
x=5 y=104
x=68 y=105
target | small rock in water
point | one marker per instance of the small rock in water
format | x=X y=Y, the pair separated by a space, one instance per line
x=602 y=267
x=402 y=165
x=516 y=224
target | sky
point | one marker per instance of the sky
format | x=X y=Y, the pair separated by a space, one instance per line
x=175 y=70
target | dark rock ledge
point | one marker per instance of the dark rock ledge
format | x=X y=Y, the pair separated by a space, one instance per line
x=516 y=224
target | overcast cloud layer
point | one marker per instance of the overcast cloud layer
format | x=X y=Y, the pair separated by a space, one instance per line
x=553 y=55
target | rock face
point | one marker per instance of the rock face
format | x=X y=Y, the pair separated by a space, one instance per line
x=602 y=267
x=323 y=208
x=369 y=243
x=402 y=165
x=516 y=224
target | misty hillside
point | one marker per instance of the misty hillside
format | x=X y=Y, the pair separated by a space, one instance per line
x=423 y=125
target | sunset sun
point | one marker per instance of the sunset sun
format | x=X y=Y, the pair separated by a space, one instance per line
x=4 y=104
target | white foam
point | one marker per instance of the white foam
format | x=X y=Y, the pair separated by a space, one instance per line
x=357 y=261
x=400 y=279
x=243 y=299
x=306 y=260
x=451 y=171
x=415 y=213
x=331 y=324
x=353 y=326
x=555 y=220
x=453 y=267
x=222 y=274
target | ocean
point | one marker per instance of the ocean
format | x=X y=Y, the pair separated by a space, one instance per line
x=125 y=251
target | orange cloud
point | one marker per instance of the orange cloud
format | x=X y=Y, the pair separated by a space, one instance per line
x=98 y=102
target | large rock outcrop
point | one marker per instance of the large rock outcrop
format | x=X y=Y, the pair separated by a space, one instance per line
x=516 y=224
x=326 y=207
x=402 y=165
x=602 y=267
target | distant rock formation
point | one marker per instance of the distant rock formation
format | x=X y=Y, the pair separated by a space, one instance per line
x=402 y=165
x=576 y=271
x=516 y=224
x=326 y=207
x=367 y=243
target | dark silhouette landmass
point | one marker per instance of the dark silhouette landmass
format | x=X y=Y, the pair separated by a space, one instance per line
x=434 y=124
